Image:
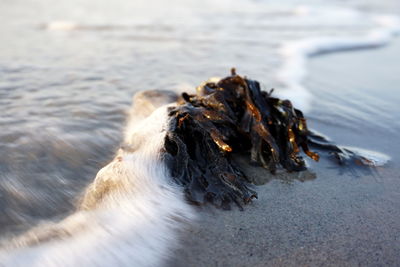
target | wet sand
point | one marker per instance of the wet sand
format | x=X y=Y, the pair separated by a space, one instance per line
x=329 y=215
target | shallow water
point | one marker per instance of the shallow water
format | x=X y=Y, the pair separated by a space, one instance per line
x=68 y=72
x=358 y=108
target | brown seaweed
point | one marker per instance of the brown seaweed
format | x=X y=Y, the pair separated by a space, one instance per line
x=341 y=155
x=234 y=116
x=230 y=116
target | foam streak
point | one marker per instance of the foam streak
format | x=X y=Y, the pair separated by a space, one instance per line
x=296 y=54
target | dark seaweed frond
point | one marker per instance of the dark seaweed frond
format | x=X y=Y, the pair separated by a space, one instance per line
x=342 y=155
x=232 y=115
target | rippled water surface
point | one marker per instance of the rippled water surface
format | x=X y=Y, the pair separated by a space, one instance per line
x=69 y=69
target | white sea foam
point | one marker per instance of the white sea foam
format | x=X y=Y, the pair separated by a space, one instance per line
x=296 y=54
x=368 y=157
x=61 y=26
x=129 y=216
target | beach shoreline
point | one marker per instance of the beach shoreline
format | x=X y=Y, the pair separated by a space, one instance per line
x=342 y=216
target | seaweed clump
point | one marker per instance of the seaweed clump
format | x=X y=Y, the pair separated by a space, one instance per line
x=228 y=116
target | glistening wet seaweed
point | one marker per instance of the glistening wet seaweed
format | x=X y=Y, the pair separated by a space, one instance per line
x=230 y=116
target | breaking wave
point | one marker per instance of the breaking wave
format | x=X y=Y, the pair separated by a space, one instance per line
x=129 y=216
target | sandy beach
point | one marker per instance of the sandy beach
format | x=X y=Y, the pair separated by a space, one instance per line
x=329 y=215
